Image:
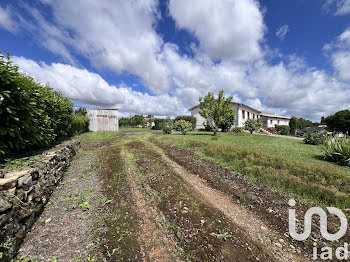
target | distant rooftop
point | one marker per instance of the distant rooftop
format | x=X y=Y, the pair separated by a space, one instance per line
x=275 y=116
x=233 y=103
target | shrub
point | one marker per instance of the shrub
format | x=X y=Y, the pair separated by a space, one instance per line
x=79 y=125
x=314 y=138
x=159 y=123
x=237 y=129
x=337 y=150
x=282 y=129
x=190 y=119
x=31 y=115
x=253 y=125
x=183 y=126
x=166 y=130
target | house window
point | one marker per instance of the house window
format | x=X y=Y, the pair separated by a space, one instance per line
x=271 y=122
x=243 y=114
x=278 y=122
x=253 y=116
x=248 y=115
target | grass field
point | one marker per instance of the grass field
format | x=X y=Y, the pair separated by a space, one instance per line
x=286 y=165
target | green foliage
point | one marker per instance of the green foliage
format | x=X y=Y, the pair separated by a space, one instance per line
x=316 y=138
x=282 y=129
x=166 y=130
x=31 y=115
x=302 y=123
x=217 y=112
x=339 y=122
x=190 y=119
x=79 y=124
x=293 y=125
x=138 y=120
x=223 y=234
x=183 y=126
x=81 y=111
x=337 y=150
x=84 y=206
x=253 y=125
x=160 y=123
x=125 y=121
x=237 y=129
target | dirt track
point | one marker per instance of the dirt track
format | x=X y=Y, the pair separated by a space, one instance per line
x=147 y=207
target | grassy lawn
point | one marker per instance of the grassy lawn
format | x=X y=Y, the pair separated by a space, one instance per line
x=293 y=149
x=286 y=165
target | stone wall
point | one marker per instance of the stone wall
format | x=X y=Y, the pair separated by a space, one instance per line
x=23 y=195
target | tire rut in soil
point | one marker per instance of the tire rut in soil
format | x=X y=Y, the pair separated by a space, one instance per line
x=204 y=233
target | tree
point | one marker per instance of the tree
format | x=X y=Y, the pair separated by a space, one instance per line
x=138 y=120
x=302 y=123
x=340 y=121
x=293 y=125
x=81 y=111
x=253 y=125
x=183 y=126
x=217 y=112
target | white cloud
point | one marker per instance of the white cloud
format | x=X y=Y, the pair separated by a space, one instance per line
x=339 y=7
x=120 y=36
x=228 y=29
x=7 y=20
x=115 y=35
x=282 y=32
x=339 y=51
x=85 y=87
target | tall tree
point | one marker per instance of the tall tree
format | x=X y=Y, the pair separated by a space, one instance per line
x=217 y=112
x=340 y=121
x=293 y=124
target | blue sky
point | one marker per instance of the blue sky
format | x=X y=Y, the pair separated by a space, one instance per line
x=158 y=57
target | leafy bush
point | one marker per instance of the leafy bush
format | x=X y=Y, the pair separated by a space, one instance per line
x=190 y=119
x=337 y=150
x=314 y=138
x=253 y=125
x=183 y=126
x=166 y=130
x=159 y=123
x=31 y=115
x=282 y=129
x=237 y=129
x=79 y=125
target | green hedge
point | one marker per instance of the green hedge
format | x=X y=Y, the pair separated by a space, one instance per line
x=282 y=129
x=32 y=115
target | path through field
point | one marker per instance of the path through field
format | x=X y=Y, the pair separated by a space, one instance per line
x=145 y=206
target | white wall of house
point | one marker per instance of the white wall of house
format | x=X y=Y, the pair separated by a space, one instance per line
x=272 y=121
x=242 y=114
x=199 y=118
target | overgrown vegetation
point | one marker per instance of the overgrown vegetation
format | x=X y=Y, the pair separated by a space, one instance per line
x=253 y=125
x=183 y=126
x=316 y=138
x=190 y=119
x=136 y=120
x=286 y=165
x=282 y=129
x=337 y=150
x=31 y=115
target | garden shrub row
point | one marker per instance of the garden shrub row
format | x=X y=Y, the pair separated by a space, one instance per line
x=32 y=115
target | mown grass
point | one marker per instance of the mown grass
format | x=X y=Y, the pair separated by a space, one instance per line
x=285 y=165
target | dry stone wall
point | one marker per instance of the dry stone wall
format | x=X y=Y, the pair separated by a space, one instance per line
x=23 y=195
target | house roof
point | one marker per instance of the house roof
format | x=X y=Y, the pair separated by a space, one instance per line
x=233 y=103
x=275 y=116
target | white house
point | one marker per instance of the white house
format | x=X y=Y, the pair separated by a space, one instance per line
x=243 y=112
x=273 y=120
